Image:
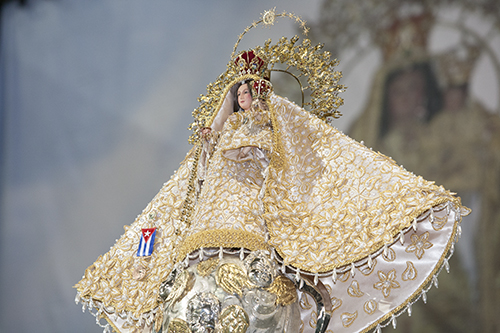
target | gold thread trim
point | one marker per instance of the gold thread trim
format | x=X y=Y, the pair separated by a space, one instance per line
x=222 y=238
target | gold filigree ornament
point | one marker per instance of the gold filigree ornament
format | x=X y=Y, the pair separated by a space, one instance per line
x=233 y=319
x=269 y=17
x=284 y=289
x=178 y=325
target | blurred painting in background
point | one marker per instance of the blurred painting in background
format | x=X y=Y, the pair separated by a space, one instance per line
x=422 y=113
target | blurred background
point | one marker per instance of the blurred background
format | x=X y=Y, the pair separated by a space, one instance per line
x=96 y=97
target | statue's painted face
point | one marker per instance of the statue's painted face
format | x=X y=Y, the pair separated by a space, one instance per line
x=244 y=97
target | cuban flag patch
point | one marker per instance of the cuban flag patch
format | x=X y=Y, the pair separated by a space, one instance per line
x=147 y=242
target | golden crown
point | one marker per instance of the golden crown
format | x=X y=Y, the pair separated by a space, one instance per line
x=248 y=63
x=261 y=89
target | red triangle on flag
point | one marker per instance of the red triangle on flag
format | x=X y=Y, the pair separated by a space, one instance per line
x=147 y=233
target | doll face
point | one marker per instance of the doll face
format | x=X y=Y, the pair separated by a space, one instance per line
x=244 y=97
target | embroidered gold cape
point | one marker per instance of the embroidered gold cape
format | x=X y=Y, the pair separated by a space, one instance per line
x=330 y=206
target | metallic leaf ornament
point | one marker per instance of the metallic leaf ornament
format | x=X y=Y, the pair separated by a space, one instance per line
x=204 y=268
x=178 y=326
x=167 y=285
x=233 y=319
x=284 y=289
x=202 y=312
x=182 y=285
x=222 y=299
x=232 y=278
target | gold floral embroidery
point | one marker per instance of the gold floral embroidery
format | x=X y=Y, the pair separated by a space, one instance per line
x=410 y=273
x=370 y=306
x=348 y=318
x=336 y=303
x=353 y=290
x=387 y=282
x=292 y=225
x=344 y=192
x=419 y=244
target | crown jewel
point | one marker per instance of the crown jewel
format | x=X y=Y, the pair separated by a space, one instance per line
x=248 y=63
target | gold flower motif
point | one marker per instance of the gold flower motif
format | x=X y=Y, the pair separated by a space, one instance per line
x=419 y=244
x=387 y=282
